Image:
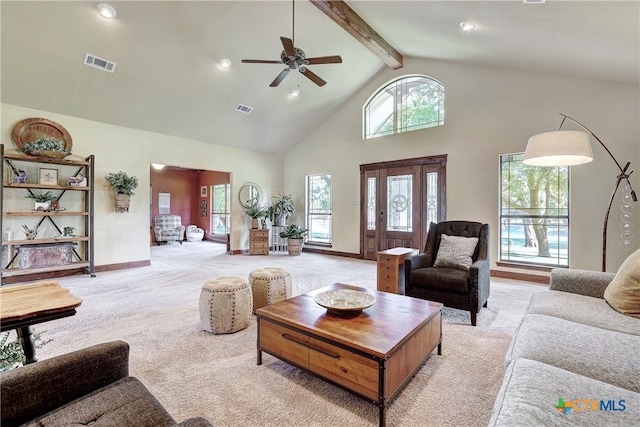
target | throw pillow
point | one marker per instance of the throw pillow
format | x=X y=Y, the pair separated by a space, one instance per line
x=623 y=293
x=455 y=251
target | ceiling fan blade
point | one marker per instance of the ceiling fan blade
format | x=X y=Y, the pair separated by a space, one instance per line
x=312 y=76
x=260 y=61
x=335 y=59
x=288 y=46
x=280 y=77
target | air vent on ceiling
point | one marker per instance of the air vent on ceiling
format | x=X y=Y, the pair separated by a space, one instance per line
x=244 y=109
x=533 y=1
x=100 y=63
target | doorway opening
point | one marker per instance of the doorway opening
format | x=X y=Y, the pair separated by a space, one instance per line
x=194 y=195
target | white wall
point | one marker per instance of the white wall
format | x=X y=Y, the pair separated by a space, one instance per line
x=488 y=112
x=124 y=237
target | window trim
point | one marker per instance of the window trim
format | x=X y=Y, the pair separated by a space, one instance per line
x=516 y=263
x=397 y=130
x=308 y=214
x=227 y=204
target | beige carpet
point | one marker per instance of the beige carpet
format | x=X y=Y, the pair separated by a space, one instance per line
x=194 y=373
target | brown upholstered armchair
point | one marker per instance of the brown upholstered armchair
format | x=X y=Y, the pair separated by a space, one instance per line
x=465 y=289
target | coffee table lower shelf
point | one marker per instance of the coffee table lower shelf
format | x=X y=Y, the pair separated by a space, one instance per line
x=371 y=377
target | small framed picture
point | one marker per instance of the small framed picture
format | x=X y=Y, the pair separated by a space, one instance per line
x=48 y=176
x=203 y=191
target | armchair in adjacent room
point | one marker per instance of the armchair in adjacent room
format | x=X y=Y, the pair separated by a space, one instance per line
x=168 y=228
x=454 y=268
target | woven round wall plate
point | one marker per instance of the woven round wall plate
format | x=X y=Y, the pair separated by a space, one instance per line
x=29 y=129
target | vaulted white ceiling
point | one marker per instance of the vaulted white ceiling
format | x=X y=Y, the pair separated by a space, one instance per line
x=167 y=79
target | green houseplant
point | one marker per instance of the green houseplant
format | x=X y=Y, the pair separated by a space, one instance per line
x=45 y=146
x=42 y=198
x=282 y=207
x=295 y=238
x=11 y=352
x=255 y=211
x=123 y=186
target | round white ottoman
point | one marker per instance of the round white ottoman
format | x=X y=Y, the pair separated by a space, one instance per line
x=269 y=286
x=225 y=305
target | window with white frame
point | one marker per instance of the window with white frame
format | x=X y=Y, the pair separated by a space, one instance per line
x=318 y=209
x=405 y=104
x=534 y=213
x=221 y=209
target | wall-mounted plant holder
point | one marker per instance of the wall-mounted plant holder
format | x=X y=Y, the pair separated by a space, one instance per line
x=123 y=186
x=123 y=201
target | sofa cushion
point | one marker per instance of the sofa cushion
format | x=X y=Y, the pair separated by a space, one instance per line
x=531 y=391
x=623 y=293
x=126 y=402
x=597 y=353
x=582 y=309
x=455 y=251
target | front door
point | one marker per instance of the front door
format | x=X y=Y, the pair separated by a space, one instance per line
x=399 y=201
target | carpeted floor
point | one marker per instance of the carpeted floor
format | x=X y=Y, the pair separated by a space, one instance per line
x=194 y=373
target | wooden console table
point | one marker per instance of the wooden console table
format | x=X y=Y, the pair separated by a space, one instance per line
x=391 y=269
x=25 y=305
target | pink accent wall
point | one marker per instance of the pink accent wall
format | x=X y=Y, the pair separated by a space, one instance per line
x=184 y=187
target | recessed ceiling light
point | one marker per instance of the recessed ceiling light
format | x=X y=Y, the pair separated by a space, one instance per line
x=106 y=11
x=225 y=63
x=467 y=26
x=294 y=93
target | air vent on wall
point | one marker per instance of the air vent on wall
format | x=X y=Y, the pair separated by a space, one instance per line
x=100 y=63
x=244 y=109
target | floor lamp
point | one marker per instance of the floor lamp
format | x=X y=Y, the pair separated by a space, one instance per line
x=568 y=148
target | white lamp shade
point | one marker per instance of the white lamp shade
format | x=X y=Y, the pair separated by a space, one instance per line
x=559 y=148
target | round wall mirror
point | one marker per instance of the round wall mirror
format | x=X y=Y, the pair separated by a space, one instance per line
x=249 y=191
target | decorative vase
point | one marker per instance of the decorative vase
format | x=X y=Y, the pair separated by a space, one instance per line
x=295 y=246
x=122 y=202
x=254 y=223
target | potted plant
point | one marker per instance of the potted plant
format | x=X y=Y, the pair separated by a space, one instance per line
x=295 y=238
x=42 y=199
x=254 y=211
x=45 y=146
x=281 y=209
x=30 y=233
x=123 y=186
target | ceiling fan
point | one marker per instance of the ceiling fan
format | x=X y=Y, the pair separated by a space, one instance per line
x=295 y=59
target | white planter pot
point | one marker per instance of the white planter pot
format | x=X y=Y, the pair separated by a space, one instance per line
x=42 y=206
x=280 y=220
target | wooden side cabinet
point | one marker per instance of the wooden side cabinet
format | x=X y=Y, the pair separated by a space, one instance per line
x=258 y=242
x=391 y=269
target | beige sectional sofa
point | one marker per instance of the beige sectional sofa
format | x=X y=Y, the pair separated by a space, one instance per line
x=573 y=360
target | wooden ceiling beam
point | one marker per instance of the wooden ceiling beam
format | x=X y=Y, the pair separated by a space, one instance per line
x=344 y=16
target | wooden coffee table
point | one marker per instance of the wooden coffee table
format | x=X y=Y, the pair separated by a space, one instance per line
x=24 y=305
x=372 y=354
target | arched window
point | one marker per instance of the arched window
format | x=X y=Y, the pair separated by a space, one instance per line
x=405 y=104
